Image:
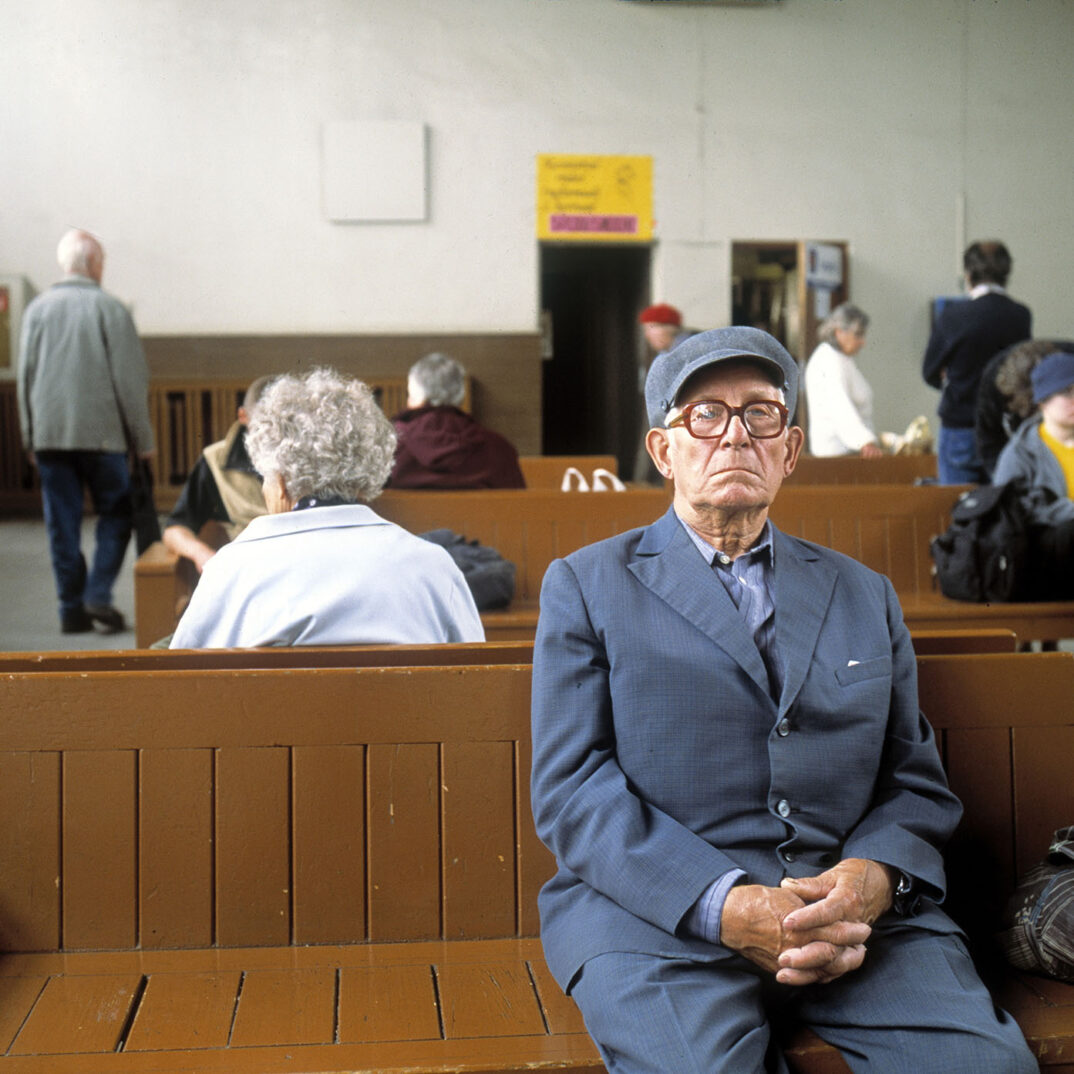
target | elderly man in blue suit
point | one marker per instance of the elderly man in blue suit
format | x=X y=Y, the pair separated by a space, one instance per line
x=745 y=804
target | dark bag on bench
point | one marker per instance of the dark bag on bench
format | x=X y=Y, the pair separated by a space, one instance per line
x=491 y=578
x=983 y=555
x=1039 y=920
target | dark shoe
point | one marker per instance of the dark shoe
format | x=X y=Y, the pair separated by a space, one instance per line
x=110 y=620
x=76 y=622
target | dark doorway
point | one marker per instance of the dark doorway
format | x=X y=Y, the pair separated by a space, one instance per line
x=592 y=296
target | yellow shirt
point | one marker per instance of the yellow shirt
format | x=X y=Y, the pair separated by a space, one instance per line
x=1065 y=454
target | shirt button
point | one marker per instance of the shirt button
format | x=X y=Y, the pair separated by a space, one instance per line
x=783 y=728
x=784 y=808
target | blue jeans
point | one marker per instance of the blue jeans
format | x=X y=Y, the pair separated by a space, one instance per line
x=956 y=457
x=64 y=475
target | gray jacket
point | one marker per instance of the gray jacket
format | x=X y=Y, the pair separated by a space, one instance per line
x=1026 y=455
x=66 y=399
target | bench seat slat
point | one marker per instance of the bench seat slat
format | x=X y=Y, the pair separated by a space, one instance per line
x=488 y=1000
x=78 y=1014
x=386 y=1003
x=288 y=1007
x=181 y=1011
x=17 y=997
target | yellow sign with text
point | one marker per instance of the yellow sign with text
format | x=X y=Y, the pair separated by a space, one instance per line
x=594 y=199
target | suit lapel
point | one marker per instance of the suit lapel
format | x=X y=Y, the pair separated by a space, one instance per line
x=801 y=593
x=667 y=563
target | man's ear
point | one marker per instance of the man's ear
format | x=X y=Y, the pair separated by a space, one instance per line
x=795 y=441
x=656 y=443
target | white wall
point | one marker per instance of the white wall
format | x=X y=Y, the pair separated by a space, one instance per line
x=186 y=134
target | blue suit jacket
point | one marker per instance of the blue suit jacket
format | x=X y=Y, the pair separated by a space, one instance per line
x=661 y=761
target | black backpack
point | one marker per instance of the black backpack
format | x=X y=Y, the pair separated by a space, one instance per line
x=983 y=555
x=491 y=578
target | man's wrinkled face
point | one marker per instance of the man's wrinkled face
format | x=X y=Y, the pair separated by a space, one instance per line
x=734 y=471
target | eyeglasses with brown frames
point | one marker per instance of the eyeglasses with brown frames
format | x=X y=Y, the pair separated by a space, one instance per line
x=708 y=419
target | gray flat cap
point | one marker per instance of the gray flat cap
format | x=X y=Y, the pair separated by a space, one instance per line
x=673 y=368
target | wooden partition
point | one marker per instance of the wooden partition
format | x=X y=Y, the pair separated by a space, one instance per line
x=854 y=470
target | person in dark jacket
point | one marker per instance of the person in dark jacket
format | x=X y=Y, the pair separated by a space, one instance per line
x=966 y=335
x=1005 y=397
x=441 y=446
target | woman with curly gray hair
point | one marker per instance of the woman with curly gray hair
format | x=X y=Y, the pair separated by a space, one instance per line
x=322 y=568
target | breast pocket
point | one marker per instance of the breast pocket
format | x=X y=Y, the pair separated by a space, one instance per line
x=878 y=667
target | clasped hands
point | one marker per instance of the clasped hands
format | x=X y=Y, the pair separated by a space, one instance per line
x=809 y=930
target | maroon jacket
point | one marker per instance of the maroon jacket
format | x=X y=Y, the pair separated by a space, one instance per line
x=440 y=447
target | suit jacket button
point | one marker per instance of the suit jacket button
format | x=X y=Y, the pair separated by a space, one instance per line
x=783 y=728
x=783 y=808
x=788 y=855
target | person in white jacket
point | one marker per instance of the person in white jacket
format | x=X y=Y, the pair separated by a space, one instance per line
x=838 y=397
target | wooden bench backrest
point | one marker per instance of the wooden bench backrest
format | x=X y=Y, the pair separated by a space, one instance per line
x=546 y=471
x=343 y=656
x=854 y=470
x=886 y=527
x=1006 y=729
x=200 y=808
x=529 y=527
x=250 y=808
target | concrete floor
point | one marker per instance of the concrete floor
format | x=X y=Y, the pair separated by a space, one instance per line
x=29 y=616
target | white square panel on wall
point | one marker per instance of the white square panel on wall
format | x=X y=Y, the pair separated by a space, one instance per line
x=374 y=170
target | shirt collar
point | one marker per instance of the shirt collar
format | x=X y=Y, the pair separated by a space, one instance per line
x=763 y=548
x=987 y=289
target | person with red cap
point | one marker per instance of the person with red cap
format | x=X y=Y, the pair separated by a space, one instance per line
x=662 y=327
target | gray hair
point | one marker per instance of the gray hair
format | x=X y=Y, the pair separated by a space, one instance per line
x=324 y=434
x=845 y=316
x=441 y=379
x=79 y=253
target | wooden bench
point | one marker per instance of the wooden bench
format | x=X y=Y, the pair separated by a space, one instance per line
x=530 y=527
x=77 y=661
x=546 y=471
x=854 y=470
x=887 y=527
x=336 y=869
x=301 y=870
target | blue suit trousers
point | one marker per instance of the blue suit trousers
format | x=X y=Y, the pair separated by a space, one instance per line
x=916 y=1006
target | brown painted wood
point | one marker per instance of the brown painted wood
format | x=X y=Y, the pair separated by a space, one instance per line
x=78 y=1014
x=546 y=471
x=478 y=808
x=253 y=874
x=404 y=842
x=329 y=801
x=488 y=1000
x=17 y=998
x=99 y=849
x=939 y=642
x=560 y=1012
x=185 y=1010
x=77 y=661
x=286 y=1007
x=30 y=838
x=1044 y=789
x=854 y=470
x=176 y=848
x=387 y=1003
